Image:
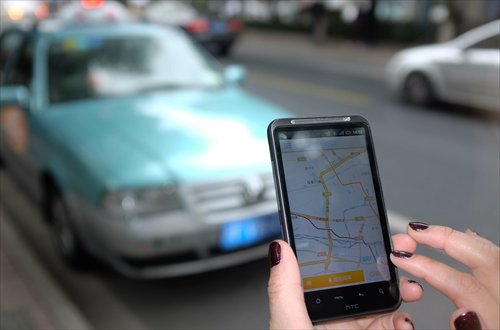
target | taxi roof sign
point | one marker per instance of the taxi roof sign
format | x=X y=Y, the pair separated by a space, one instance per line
x=91 y=4
x=93 y=11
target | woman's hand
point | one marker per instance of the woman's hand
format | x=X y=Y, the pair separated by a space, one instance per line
x=475 y=294
x=286 y=297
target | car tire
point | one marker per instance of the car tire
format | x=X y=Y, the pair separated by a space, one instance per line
x=64 y=234
x=225 y=49
x=418 y=89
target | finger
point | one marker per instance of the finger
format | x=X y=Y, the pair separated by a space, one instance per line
x=471 y=233
x=404 y=242
x=473 y=251
x=477 y=253
x=391 y=321
x=402 y=320
x=397 y=320
x=466 y=319
x=286 y=296
x=410 y=290
x=462 y=288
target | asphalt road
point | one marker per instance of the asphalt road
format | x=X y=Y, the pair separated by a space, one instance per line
x=437 y=165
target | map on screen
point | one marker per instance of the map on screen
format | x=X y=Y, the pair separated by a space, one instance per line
x=334 y=211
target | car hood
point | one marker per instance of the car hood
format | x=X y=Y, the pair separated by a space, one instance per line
x=165 y=138
x=425 y=53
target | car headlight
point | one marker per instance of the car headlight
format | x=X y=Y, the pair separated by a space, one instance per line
x=141 y=201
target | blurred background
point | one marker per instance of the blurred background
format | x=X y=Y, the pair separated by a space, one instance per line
x=135 y=170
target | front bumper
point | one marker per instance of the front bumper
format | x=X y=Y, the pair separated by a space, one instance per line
x=175 y=244
x=192 y=265
x=212 y=40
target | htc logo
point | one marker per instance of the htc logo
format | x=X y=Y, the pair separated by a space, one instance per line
x=351 y=307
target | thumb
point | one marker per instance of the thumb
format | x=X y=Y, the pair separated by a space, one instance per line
x=286 y=296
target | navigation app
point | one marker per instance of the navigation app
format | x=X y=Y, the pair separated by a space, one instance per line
x=334 y=211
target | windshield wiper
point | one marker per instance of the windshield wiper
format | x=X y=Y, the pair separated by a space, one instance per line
x=166 y=87
x=161 y=87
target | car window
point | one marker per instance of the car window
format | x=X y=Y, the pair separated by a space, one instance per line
x=92 y=66
x=10 y=42
x=23 y=69
x=488 y=43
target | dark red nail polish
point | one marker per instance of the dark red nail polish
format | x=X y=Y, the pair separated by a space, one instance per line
x=402 y=254
x=274 y=254
x=418 y=226
x=407 y=320
x=467 y=321
x=415 y=282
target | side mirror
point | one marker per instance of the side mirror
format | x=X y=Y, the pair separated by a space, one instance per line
x=15 y=95
x=14 y=112
x=235 y=74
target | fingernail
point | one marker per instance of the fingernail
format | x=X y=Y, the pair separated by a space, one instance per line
x=418 y=226
x=402 y=254
x=467 y=321
x=274 y=254
x=472 y=232
x=407 y=320
x=415 y=282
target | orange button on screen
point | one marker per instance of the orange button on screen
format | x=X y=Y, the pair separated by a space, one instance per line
x=329 y=280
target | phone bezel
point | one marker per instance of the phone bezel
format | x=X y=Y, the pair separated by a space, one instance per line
x=390 y=301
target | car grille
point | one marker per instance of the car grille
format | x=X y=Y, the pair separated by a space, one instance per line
x=182 y=257
x=214 y=197
x=171 y=259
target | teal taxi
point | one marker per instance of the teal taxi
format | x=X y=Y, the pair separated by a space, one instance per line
x=143 y=151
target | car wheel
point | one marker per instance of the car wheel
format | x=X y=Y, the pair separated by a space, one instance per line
x=418 y=90
x=64 y=234
x=225 y=49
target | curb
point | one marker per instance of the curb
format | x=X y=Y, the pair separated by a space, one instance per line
x=338 y=48
x=60 y=310
x=338 y=57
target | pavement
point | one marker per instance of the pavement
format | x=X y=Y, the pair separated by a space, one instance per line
x=30 y=298
x=340 y=56
x=302 y=45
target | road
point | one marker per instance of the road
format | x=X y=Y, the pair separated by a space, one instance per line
x=437 y=165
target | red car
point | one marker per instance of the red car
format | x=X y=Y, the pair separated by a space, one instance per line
x=212 y=31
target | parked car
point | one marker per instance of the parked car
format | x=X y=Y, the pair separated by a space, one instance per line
x=216 y=33
x=15 y=12
x=465 y=70
x=141 y=149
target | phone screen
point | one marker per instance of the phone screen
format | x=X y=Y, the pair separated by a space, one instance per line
x=334 y=207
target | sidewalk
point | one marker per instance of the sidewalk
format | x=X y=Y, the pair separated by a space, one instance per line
x=337 y=55
x=336 y=47
x=29 y=296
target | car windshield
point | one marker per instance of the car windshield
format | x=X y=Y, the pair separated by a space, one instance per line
x=94 y=66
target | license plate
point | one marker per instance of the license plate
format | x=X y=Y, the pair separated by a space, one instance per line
x=250 y=231
x=219 y=27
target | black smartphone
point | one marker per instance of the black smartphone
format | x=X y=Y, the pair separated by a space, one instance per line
x=332 y=214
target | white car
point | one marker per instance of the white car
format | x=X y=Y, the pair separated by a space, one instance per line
x=465 y=70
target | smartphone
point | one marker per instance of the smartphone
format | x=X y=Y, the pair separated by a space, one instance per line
x=333 y=216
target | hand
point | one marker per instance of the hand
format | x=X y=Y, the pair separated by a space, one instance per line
x=475 y=294
x=288 y=308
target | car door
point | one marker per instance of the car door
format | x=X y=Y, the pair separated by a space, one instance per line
x=471 y=74
x=15 y=126
x=10 y=44
x=482 y=62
